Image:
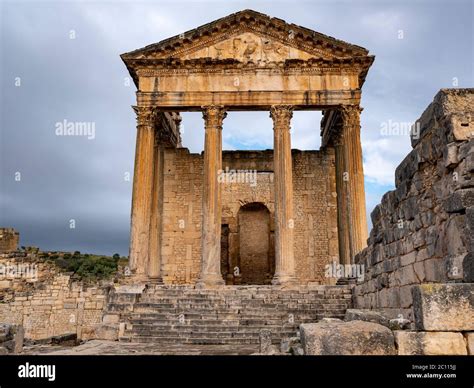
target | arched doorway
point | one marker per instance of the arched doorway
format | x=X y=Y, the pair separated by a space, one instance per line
x=256 y=259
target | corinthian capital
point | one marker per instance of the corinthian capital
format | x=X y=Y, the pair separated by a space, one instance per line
x=214 y=116
x=281 y=116
x=146 y=115
x=350 y=113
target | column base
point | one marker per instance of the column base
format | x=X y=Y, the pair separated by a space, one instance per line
x=284 y=280
x=210 y=281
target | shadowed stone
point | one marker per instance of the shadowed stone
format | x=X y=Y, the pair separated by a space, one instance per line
x=365 y=315
x=346 y=338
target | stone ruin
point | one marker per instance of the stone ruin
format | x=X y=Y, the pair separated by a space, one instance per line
x=9 y=239
x=189 y=233
x=423 y=230
x=417 y=296
x=419 y=258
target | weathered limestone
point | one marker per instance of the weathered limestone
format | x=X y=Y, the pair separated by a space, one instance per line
x=346 y=338
x=49 y=305
x=142 y=189
x=366 y=316
x=430 y=343
x=9 y=239
x=444 y=307
x=156 y=219
x=470 y=342
x=240 y=315
x=284 y=221
x=252 y=66
x=315 y=239
x=423 y=230
x=211 y=199
x=343 y=223
x=355 y=179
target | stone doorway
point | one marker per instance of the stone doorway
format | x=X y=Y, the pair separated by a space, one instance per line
x=256 y=258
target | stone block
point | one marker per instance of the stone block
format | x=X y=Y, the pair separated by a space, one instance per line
x=405 y=296
x=459 y=201
x=107 y=332
x=346 y=338
x=408 y=258
x=6 y=332
x=265 y=338
x=19 y=339
x=5 y=284
x=444 y=307
x=430 y=343
x=469 y=342
x=468 y=268
x=366 y=316
x=111 y=318
x=434 y=270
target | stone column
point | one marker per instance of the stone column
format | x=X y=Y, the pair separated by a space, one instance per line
x=343 y=225
x=211 y=199
x=142 y=190
x=284 y=222
x=358 y=232
x=156 y=217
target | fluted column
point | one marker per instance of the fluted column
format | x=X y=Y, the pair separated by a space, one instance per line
x=358 y=232
x=284 y=222
x=156 y=216
x=142 y=190
x=211 y=199
x=343 y=225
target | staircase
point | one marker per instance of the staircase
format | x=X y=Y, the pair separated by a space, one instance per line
x=230 y=315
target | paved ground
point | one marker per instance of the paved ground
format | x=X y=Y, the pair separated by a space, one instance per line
x=100 y=347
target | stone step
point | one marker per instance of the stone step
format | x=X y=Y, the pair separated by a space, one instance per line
x=196 y=341
x=139 y=308
x=283 y=316
x=232 y=315
x=207 y=334
x=214 y=327
x=222 y=322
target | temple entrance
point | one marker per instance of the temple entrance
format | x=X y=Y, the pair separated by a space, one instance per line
x=256 y=254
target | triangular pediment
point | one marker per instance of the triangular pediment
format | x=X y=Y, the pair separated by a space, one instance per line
x=248 y=47
x=249 y=36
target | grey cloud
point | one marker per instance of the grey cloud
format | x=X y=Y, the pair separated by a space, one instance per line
x=83 y=80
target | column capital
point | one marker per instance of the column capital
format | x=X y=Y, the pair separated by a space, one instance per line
x=350 y=112
x=281 y=115
x=146 y=115
x=213 y=115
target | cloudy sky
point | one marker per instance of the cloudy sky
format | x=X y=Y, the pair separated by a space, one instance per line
x=60 y=61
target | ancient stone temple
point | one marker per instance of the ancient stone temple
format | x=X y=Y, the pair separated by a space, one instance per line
x=298 y=210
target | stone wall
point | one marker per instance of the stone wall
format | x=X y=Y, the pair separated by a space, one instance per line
x=9 y=239
x=314 y=201
x=44 y=301
x=423 y=230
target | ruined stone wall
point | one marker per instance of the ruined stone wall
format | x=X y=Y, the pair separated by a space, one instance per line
x=46 y=302
x=314 y=201
x=423 y=230
x=9 y=239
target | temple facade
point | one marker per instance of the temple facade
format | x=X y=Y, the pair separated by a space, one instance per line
x=246 y=217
